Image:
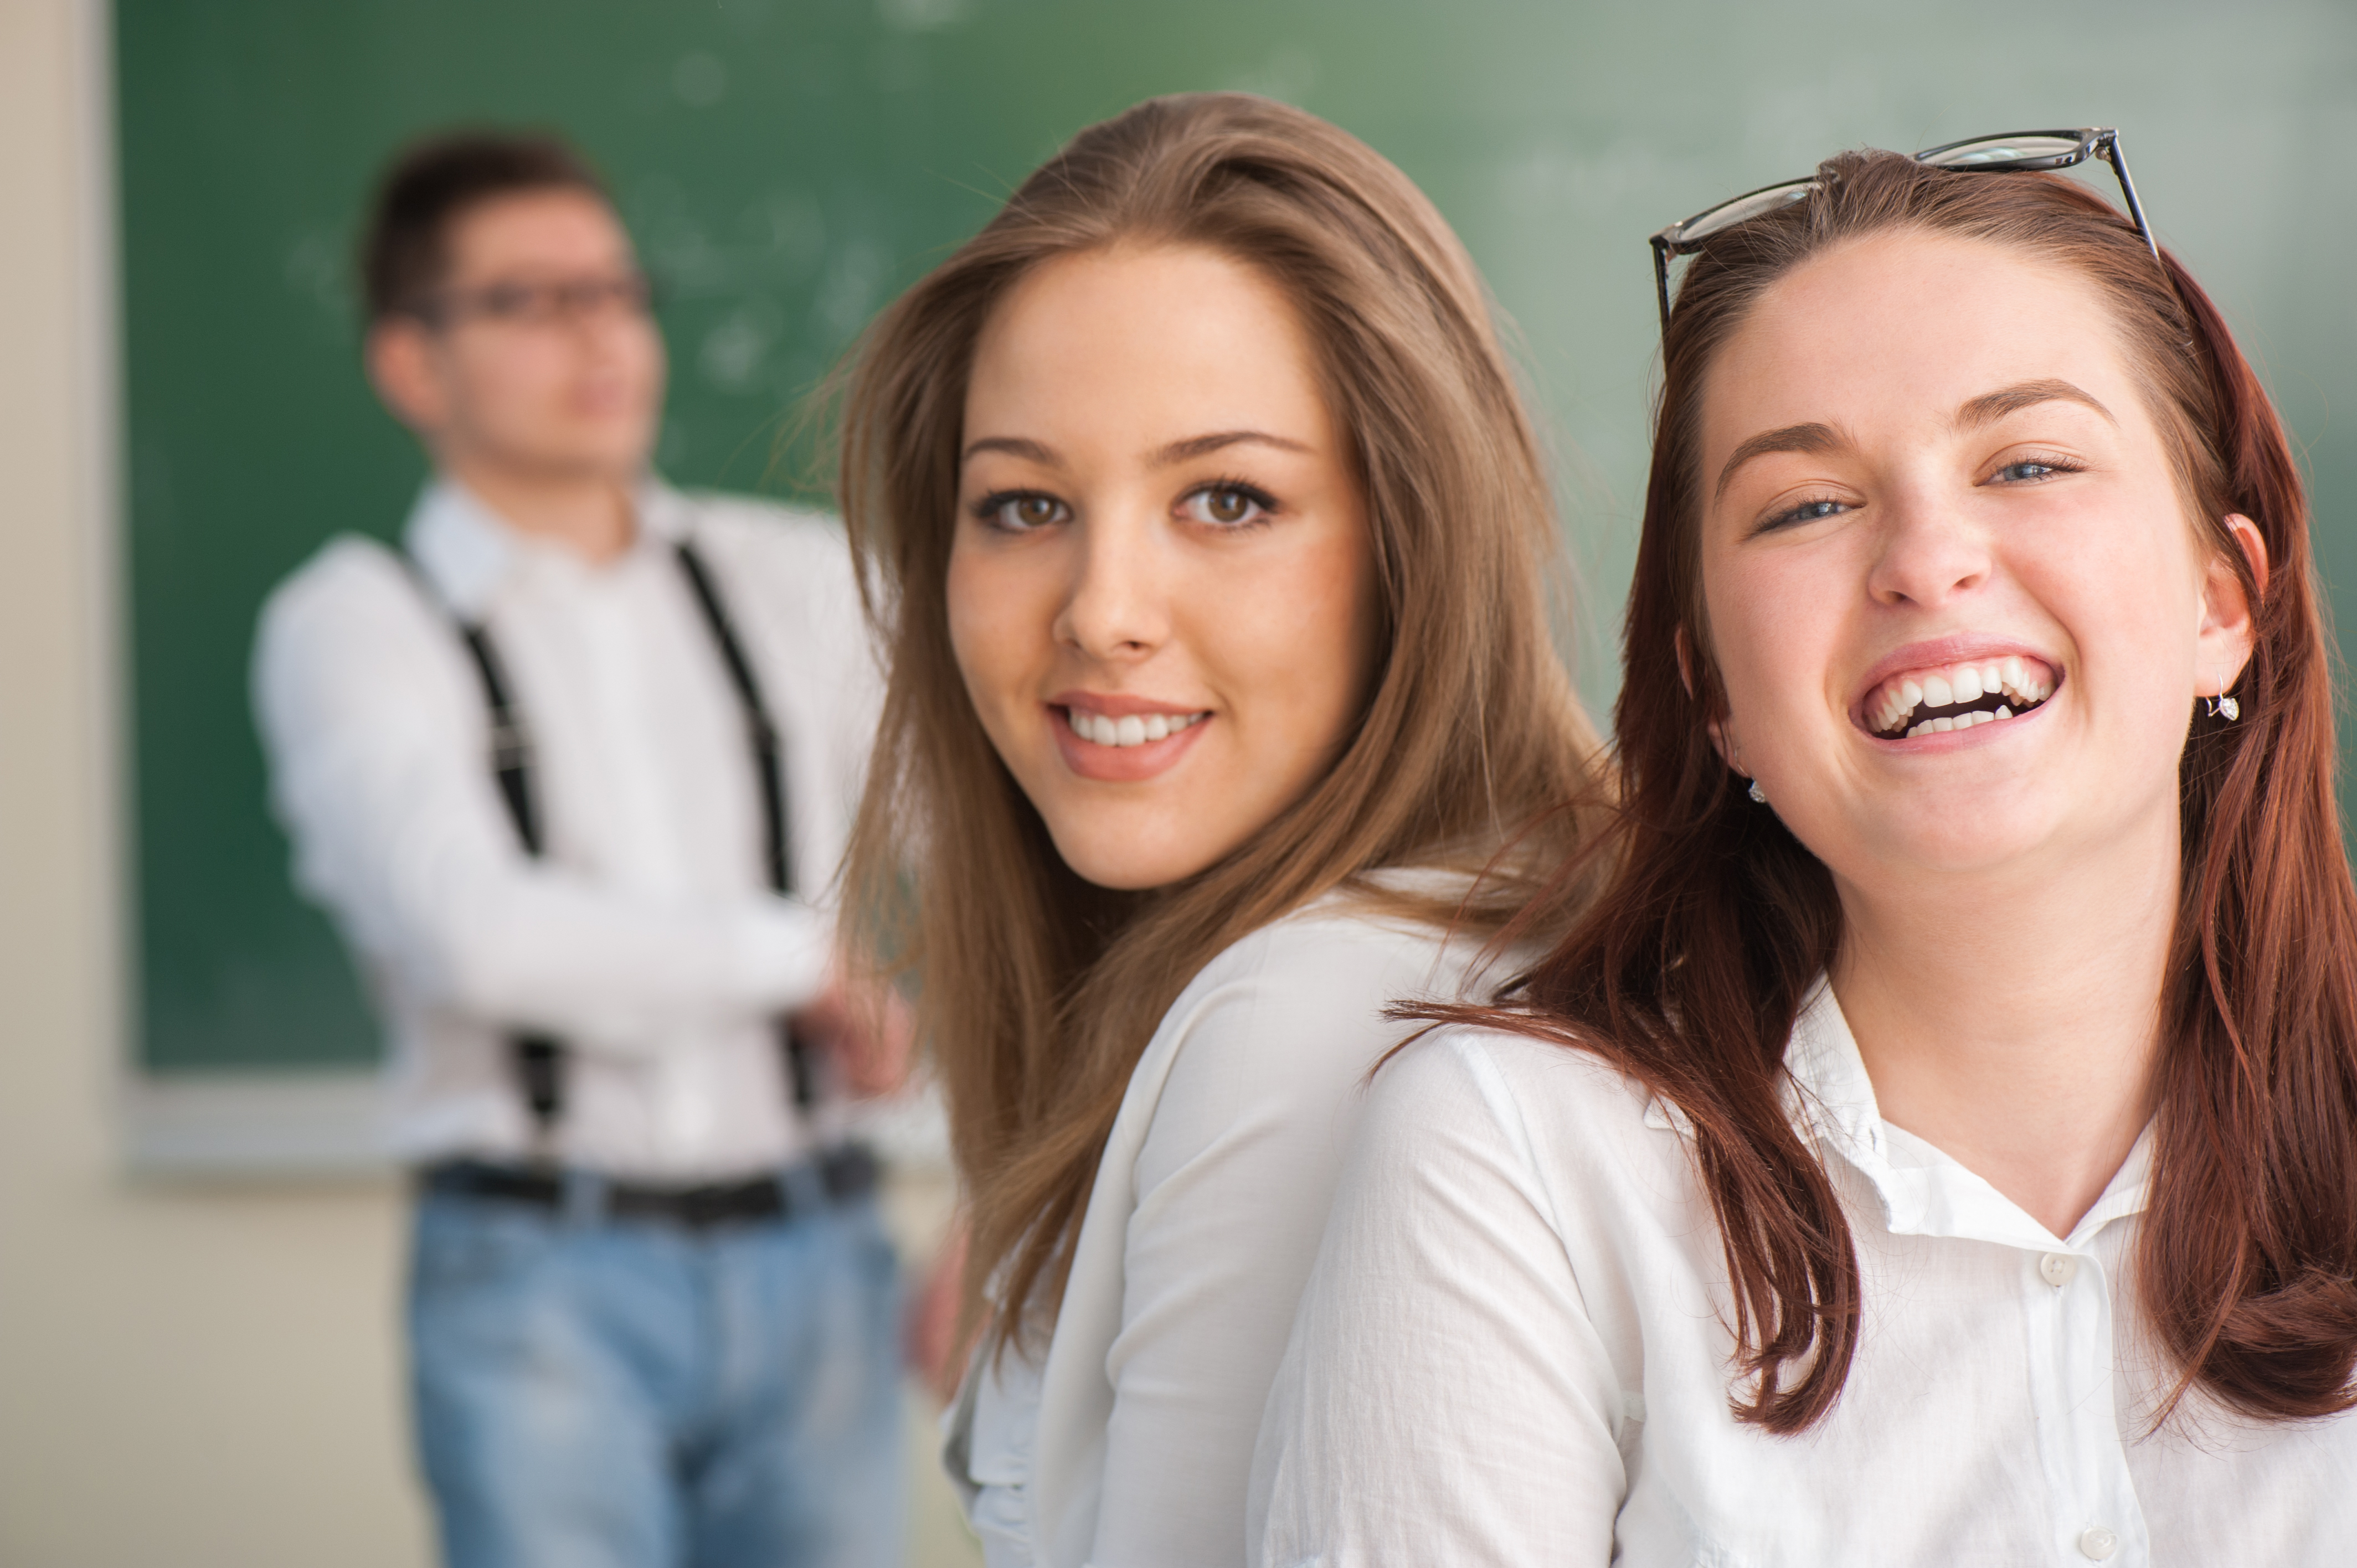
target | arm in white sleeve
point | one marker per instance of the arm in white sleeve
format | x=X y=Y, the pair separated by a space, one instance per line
x=1445 y=1398
x=379 y=773
x=1234 y=1181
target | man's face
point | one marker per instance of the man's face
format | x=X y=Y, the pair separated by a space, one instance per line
x=537 y=357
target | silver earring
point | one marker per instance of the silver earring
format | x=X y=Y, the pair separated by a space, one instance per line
x=2223 y=706
x=1757 y=793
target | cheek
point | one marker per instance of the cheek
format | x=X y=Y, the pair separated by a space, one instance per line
x=994 y=622
x=1299 y=638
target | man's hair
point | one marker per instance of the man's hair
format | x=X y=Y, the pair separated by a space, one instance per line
x=430 y=186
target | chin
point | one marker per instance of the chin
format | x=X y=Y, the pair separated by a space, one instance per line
x=1111 y=858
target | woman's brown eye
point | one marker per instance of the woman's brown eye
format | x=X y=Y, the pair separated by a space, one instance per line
x=1022 y=512
x=1227 y=506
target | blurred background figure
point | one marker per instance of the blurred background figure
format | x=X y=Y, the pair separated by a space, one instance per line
x=568 y=768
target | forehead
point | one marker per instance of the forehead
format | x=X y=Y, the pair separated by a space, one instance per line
x=1170 y=326
x=558 y=230
x=1898 y=330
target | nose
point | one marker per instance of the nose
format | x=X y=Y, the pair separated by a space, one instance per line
x=1117 y=610
x=1928 y=552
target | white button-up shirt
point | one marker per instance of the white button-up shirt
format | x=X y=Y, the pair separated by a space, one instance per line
x=1129 y=1445
x=648 y=938
x=1516 y=1349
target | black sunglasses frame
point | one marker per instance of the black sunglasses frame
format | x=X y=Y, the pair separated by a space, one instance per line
x=2093 y=142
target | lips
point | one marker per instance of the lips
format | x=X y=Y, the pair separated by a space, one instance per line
x=1123 y=739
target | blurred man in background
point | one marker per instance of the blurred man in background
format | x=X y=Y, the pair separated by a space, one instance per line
x=569 y=769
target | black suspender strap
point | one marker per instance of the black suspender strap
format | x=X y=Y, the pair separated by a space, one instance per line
x=768 y=760
x=761 y=730
x=538 y=1059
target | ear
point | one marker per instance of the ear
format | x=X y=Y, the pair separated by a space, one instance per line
x=401 y=366
x=1721 y=741
x=2228 y=630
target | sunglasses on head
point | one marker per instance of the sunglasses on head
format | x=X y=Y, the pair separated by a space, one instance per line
x=2006 y=154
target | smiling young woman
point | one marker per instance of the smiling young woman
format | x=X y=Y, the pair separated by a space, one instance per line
x=1208 y=539
x=1936 y=1143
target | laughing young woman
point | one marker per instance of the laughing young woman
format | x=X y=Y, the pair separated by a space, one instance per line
x=1207 y=534
x=1936 y=1142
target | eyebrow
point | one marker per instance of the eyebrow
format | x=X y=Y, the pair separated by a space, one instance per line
x=1990 y=407
x=1985 y=409
x=1810 y=437
x=1177 y=452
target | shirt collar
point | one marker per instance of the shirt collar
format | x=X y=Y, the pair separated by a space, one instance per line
x=468 y=552
x=1829 y=1097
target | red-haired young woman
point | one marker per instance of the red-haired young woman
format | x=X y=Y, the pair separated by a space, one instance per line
x=1939 y=1143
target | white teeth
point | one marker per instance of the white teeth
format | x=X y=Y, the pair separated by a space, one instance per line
x=1938 y=693
x=1910 y=695
x=2003 y=712
x=1992 y=678
x=2011 y=672
x=1968 y=685
x=1103 y=729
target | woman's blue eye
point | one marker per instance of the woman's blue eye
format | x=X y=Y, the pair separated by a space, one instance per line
x=2029 y=468
x=1228 y=506
x=1808 y=511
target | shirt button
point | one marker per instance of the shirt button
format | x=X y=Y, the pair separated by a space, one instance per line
x=2098 y=1543
x=2056 y=1269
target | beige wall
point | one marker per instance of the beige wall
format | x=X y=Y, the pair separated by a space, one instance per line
x=191 y=1376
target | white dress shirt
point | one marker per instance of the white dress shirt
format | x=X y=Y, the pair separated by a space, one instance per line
x=1130 y=1444
x=1516 y=1349
x=648 y=938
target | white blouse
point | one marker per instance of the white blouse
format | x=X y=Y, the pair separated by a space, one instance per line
x=1129 y=1444
x=1515 y=1349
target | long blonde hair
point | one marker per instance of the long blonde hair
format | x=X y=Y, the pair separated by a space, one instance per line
x=1038 y=991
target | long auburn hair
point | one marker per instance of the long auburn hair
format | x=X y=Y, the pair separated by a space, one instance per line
x=1038 y=991
x=1689 y=969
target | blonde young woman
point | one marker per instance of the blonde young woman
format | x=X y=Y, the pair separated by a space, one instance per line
x=1207 y=534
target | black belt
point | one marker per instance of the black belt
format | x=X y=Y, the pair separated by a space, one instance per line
x=841 y=1175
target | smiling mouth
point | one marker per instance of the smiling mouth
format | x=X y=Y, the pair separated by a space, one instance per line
x=1947 y=697
x=1130 y=729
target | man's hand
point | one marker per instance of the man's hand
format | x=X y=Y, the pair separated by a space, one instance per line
x=934 y=1351
x=863 y=1024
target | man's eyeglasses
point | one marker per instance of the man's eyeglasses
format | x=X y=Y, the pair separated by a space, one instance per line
x=539 y=304
x=1983 y=154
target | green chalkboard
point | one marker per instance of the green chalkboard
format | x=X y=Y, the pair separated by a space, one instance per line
x=786 y=165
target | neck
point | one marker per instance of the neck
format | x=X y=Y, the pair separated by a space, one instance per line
x=590 y=512
x=2011 y=1020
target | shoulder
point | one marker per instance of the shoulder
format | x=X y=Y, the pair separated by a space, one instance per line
x=1554 y=1104
x=353 y=590
x=792 y=565
x=765 y=534
x=1292 y=1014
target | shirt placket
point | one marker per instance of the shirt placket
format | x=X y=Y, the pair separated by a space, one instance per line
x=2067 y=1307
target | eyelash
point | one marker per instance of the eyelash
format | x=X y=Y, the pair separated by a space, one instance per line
x=2054 y=463
x=990 y=510
x=2057 y=464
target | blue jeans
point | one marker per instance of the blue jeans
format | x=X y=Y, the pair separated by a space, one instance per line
x=601 y=1393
